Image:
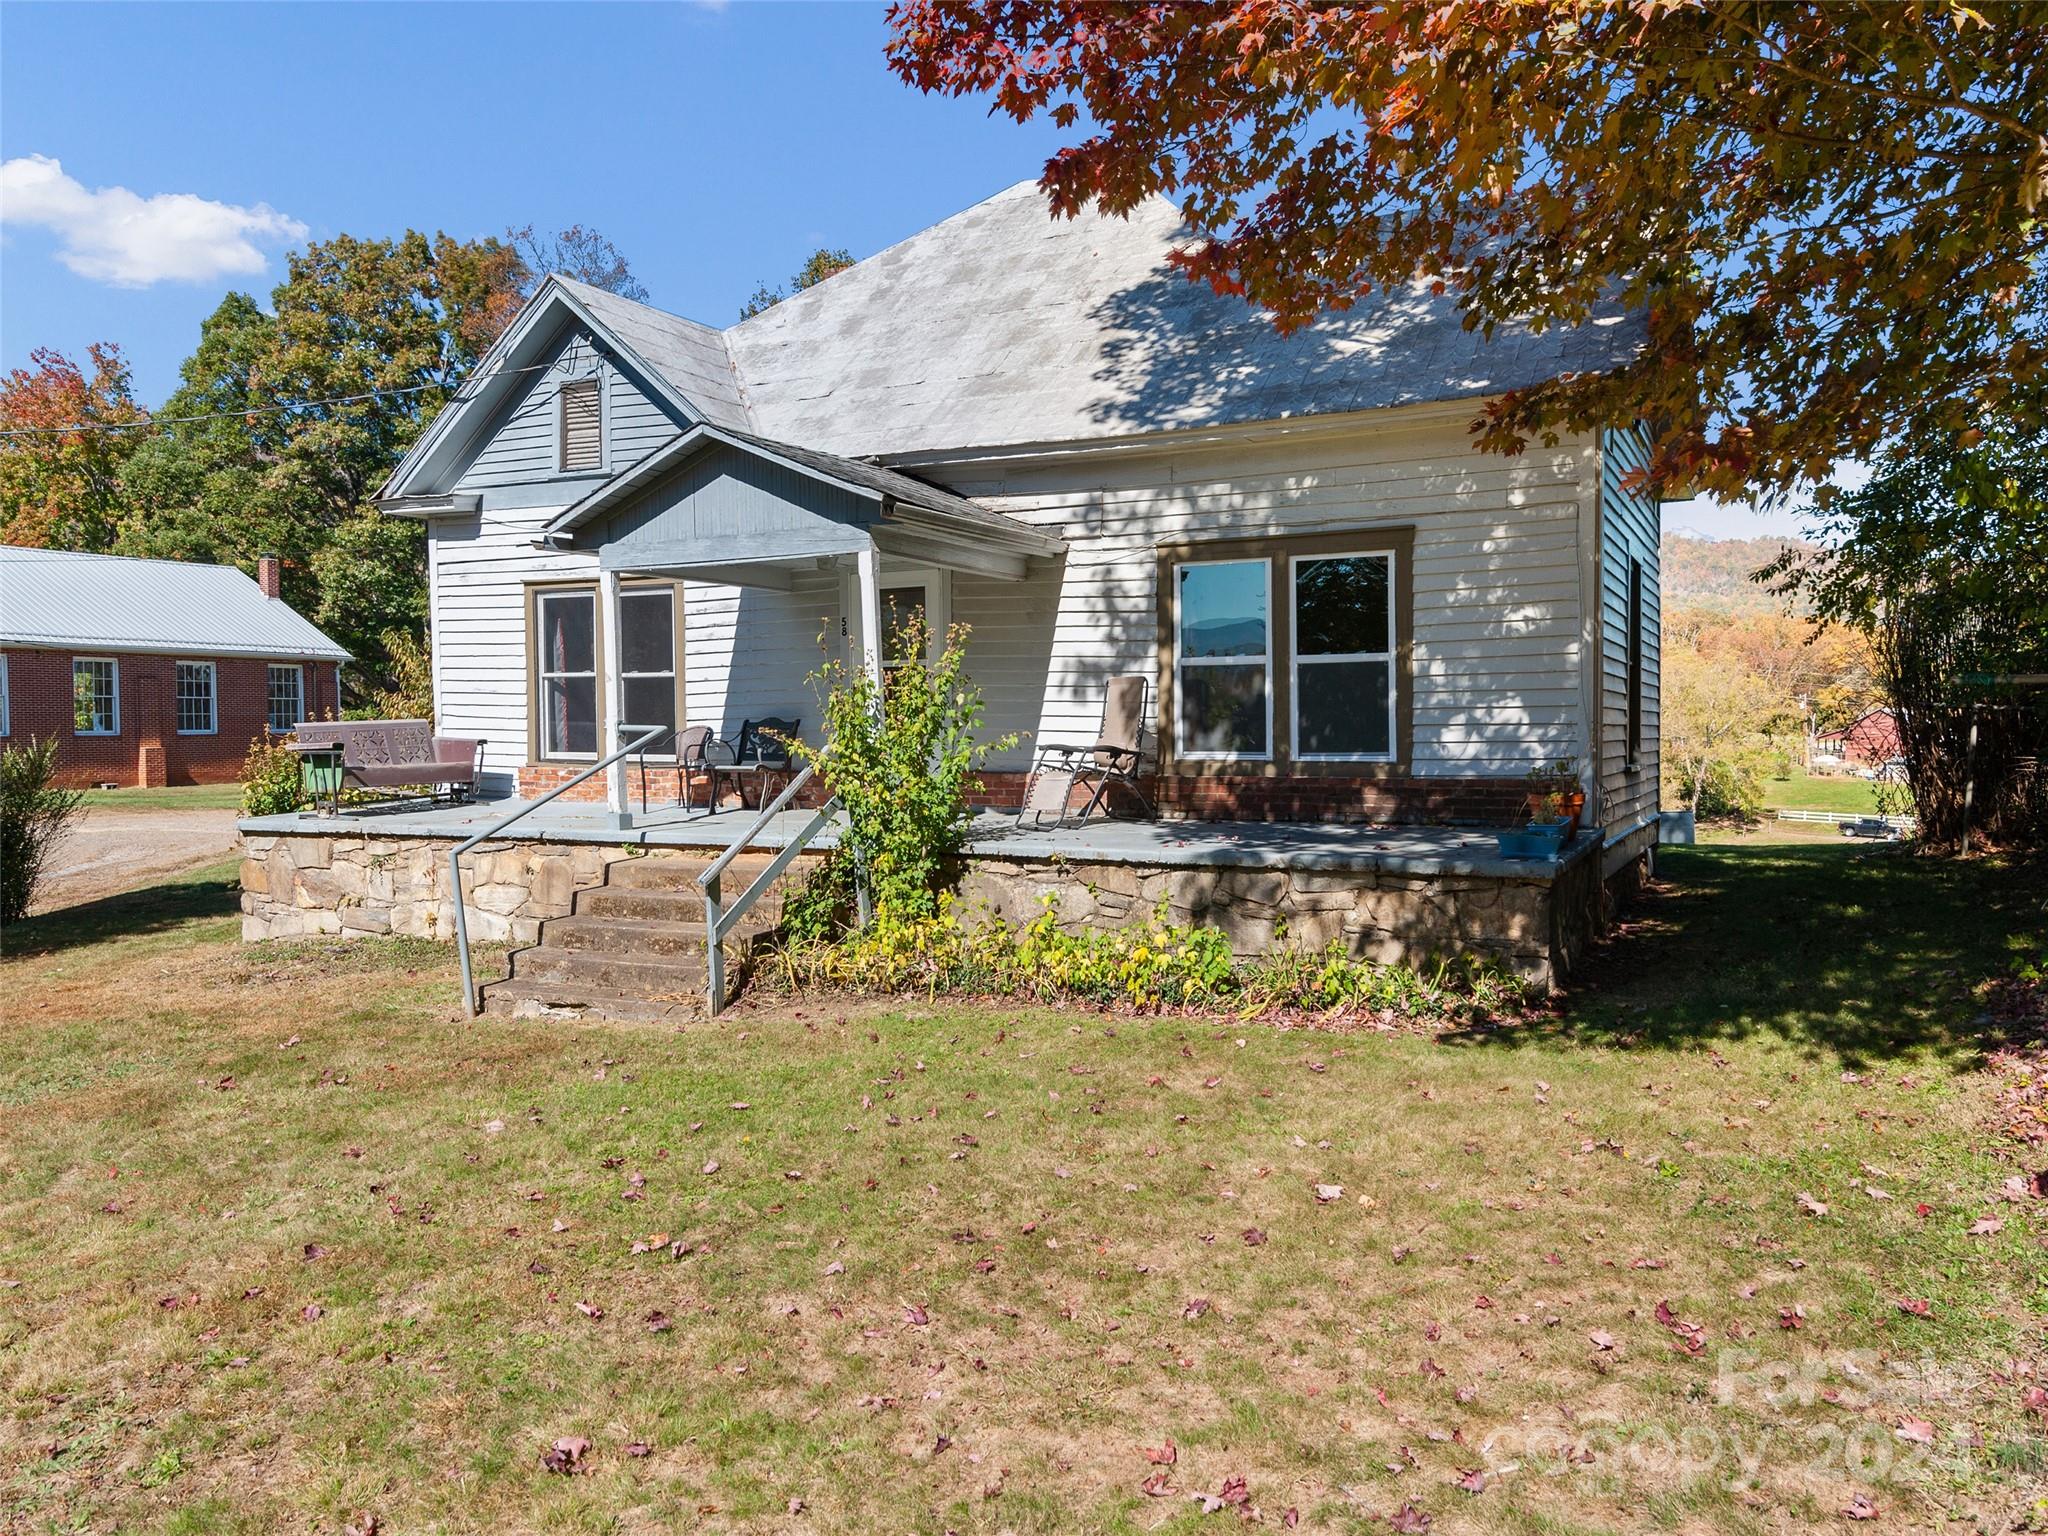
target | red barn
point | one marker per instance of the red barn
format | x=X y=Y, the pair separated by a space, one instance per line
x=150 y=672
x=1863 y=743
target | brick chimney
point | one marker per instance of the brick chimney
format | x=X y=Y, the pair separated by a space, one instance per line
x=270 y=575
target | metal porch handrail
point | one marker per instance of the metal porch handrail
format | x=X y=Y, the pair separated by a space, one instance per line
x=496 y=829
x=720 y=920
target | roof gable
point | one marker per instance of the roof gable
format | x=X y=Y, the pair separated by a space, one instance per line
x=66 y=601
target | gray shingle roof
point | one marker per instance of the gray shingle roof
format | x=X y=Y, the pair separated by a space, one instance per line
x=65 y=601
x=1003 y=325
x=690 y=356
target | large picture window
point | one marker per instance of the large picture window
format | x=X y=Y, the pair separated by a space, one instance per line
x=1223 y=659
x=647 y=660
x=565 y=629
x=196 y=714
x=287 y=703
x=96 y=696
x=1287 y=656
x=1344 y=686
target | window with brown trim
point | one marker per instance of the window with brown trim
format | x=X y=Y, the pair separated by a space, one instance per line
x=567 y=656
x=1286 y=655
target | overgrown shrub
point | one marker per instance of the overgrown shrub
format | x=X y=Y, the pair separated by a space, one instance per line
x=34 y=814
x=901 y=760
x=271 y=782
x=1157 y=964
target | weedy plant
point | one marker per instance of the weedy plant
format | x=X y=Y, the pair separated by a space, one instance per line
x=34 y=814
x=272 y=784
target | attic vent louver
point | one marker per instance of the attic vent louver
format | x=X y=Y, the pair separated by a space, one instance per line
x=582 y=426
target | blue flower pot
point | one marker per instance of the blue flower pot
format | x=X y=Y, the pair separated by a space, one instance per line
x=1538 y=840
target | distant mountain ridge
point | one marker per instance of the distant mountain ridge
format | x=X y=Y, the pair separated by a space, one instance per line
x=1714 y=573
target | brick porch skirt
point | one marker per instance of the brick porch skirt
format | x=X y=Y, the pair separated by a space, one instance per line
x=1387 y=801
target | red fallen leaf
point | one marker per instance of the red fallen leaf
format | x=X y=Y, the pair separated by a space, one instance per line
x=1923 y=1210
x=1430 y=1369
x=590 y=1310
x=639 y=1448
x=1234 y=1491
x=916 y=1315
x=1913 y=1306
x=1859 y=1508
x=796 y=1505
x=984 y=1266
x=2035 y=1401
x=312 y=1312
x=1195 y=1308
x=1483 y=1303
x=1410 y=1521
x=1253 y=1237
x=1793 y=1317
x=1211 y=1082
x=657 y=1322
x=564 y=1455
x=1156 y=1486
x=1290 y=1517
x=1432 y=1330
x=252 y=1293
x=1691 y=1336
x=942 y=1444
x=1161 y=1455
x=1473 y=1481
x=1919 y=1431
x=364 y=1524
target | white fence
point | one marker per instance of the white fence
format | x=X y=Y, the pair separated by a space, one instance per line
x=1831 y=818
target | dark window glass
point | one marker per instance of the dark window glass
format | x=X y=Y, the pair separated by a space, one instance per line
x=1223 y=709
x=568 y=626
x=1341 y=608
x=570 y=704
x=648 y=643
x=1341 y=709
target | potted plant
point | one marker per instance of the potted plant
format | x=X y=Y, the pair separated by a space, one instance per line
x=1555 y=794
x=1555 y=803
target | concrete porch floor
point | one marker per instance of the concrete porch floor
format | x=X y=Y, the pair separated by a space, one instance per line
x=1331 y=846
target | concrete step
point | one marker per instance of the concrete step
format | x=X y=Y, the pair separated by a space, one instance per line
x=516 y=998
x=675 y=873
x=633 y=936
x=659 y=977
x=616 y=903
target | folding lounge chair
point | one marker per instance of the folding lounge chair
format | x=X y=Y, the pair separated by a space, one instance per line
x=1113 y=758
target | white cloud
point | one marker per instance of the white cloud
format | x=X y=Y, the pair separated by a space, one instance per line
x=112 y=235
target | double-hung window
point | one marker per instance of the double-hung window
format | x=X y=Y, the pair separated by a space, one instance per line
x=647 y=660
x=1343 y=679
x=95 y=696
x=1223 y=660
x=287 y=703
x=565 y=632
x=197 y=715
x=6 y=703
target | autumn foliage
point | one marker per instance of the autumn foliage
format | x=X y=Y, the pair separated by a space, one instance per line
x=1829 y=213
x=62 y=489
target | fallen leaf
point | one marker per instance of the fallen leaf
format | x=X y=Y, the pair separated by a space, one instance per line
x=1986 y=1226
x=1860 y=1508
x=1913 y=1306
x=1327 y=1194
x=639 y=1448
x=1253 y=1237
x=313 y=1251
x=312 y=1312
x=1473 y=1481
x=657 y=1322
x=1601 y=1338
x=1811 y=1206
x=1195 y=1308
x=1919 y=1431
x=915 y=1315
x=1156 y=1486
x=1234 y=1492
x=1161 y=1455
x=590 y=1310
x=1409 y=1521
x=564 y=1455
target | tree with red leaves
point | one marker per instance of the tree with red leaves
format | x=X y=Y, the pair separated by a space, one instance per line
x=1832 y=214
x=59 y=489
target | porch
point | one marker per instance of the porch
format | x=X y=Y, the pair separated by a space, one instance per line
x=1392 y=894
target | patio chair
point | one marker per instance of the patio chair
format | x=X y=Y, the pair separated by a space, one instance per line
x=761 y=752
x=1114 y=757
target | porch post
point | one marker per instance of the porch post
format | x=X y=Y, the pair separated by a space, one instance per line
x=867 y=563
x=613 y=712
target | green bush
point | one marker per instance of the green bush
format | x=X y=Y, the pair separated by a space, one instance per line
x=1147 y=966
x=271 y=782
x=34 y=814
x=901 y=760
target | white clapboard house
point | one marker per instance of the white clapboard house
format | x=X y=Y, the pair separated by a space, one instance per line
x=1345 y=614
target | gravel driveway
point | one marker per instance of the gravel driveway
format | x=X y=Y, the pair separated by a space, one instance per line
x=109 y=850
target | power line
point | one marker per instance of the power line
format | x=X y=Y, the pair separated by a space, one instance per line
x=458 y=398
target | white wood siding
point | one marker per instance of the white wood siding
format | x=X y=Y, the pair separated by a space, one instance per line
x=1496 y=579
x=1629 y=526
x=523 y=448
x=1499 y=648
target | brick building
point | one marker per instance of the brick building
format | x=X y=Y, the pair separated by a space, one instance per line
x=151 y=672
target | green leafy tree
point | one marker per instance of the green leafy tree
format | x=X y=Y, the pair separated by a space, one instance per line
x=901 y=759
x=820 y=265
x=1831 y=212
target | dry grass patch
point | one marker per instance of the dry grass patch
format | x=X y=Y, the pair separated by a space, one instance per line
x=288 y=1239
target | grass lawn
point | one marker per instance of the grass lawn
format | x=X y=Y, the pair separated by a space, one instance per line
x=284 y=1238
x=1804 y=791
x=178 y=797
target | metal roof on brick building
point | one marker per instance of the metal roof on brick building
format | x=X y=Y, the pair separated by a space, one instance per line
x=61 y=600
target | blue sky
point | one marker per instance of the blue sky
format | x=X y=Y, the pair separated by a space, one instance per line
x=716 y=145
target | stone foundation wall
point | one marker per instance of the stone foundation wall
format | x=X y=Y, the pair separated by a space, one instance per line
x=370 y=885
x=1535 y=928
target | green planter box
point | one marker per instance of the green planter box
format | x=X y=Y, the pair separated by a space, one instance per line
x=320 y=773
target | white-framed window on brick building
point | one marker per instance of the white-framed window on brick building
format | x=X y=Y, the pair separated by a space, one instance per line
x=287 y=697
x=95 y=696
x=6 y=701
x=198 y=714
